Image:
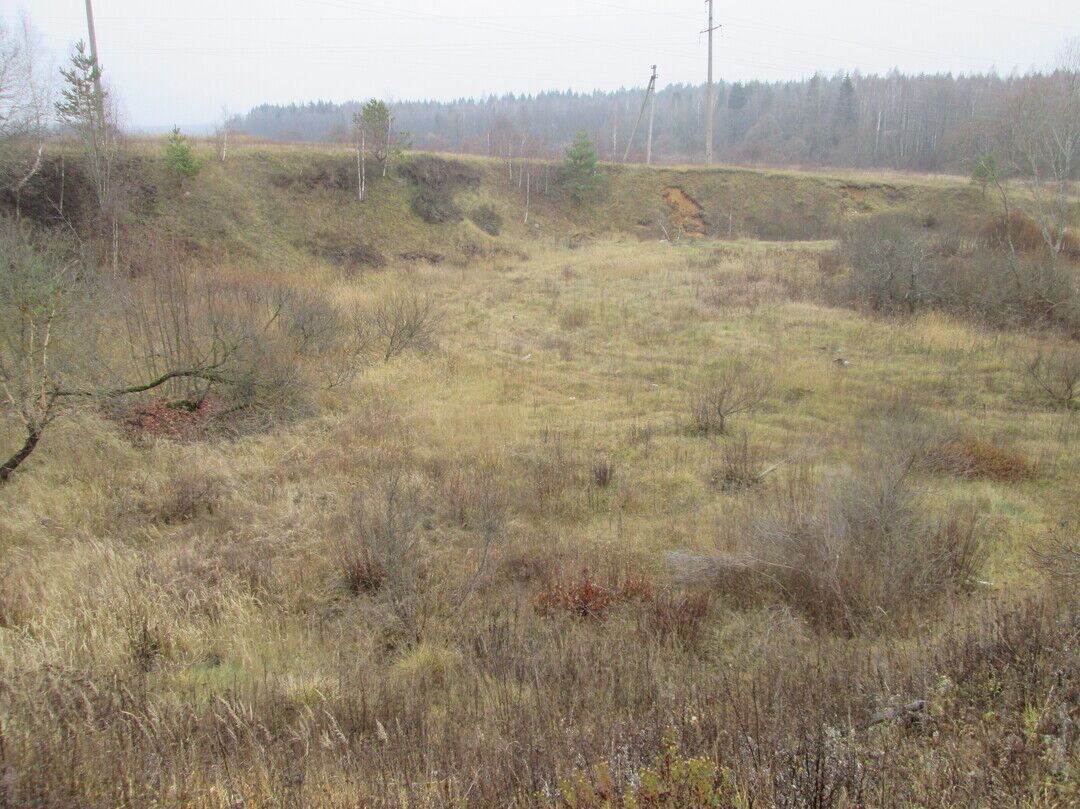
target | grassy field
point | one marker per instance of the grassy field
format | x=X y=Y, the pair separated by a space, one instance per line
x=504 y=570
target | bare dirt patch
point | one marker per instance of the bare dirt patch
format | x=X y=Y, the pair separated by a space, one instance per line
x=686 y=213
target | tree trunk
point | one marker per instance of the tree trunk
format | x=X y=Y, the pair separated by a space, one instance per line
x=13 y=463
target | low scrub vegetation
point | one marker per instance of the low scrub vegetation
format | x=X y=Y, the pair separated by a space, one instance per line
x=852 y=552
x=901 y=265
x=623 y=525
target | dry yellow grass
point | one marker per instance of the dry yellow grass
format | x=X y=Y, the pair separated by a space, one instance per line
x=211 y=571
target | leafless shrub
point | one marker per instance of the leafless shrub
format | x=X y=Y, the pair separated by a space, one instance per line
x=1059 y=558
x=740 y=467
x=859 y=548
x=890 y=258
x=854 y=551
x=476 y=500
x=734 y=390
x=307 y=319
x=387 y=555
x=1057 y=375
x=640 y=435
x=548 y=472
x=898 y=267
x=333 y=341
x=382 y=551
x=406 y=321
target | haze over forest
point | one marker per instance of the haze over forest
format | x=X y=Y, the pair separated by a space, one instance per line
x=923 y=123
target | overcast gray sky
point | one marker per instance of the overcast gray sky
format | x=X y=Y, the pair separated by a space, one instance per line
x=180 y=61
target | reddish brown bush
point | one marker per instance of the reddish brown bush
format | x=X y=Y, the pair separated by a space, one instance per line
x=583 y=596
x=969 y=457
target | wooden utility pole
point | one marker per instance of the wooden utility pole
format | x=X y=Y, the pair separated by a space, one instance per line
x=650 y=95
x=94 y=56
x=709 y=96
x=652 y=115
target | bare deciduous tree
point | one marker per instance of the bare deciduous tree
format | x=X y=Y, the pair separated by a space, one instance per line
x=63 y=331
x=25 y=90
x=404 y=322
x=221 y=134
x=737 y=388
x=1038 y=140
x=891 y=261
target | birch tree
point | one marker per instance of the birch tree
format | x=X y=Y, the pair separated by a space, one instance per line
x=25 y=90
x=1038 y=139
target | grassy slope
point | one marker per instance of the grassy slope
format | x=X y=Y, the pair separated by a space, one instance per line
x=242 y=598
x=274 y=204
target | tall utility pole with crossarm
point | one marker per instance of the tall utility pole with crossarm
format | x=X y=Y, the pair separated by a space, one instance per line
x=709 y=92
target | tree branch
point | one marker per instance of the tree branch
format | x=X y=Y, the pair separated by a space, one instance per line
x=193 y=373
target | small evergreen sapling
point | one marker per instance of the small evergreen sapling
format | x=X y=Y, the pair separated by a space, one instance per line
x=581 y=170
x=986 y=172
x=179 y=156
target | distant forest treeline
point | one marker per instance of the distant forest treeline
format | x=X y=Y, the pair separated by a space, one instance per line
x=921 y=123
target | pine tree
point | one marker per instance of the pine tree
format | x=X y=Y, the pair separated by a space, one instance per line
x=179 y=157
x=986 y=172
x=581 y=171
x=376 y=125
x=83 y=107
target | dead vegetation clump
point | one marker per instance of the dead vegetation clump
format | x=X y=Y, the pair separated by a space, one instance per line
x=677 y=615
x=584 y=595
x=181 y=420
x=574 y=318
x=603 y=473
x=969 y=457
